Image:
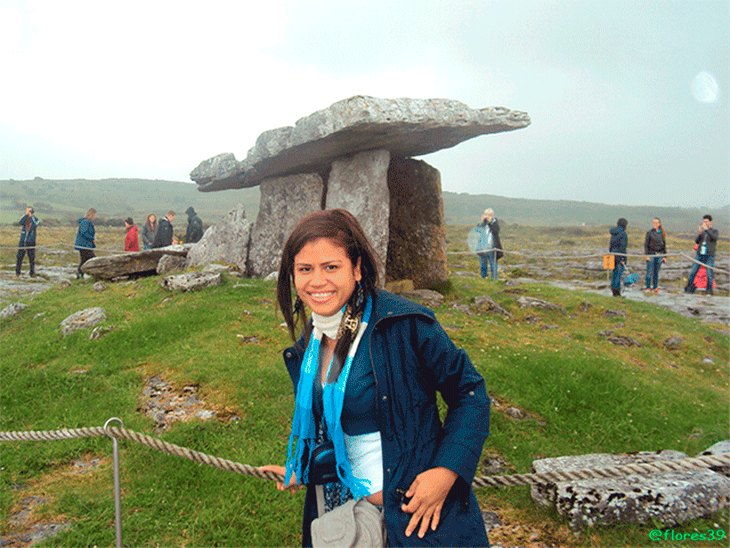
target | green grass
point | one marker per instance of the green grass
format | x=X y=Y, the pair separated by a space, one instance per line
x=581 y=394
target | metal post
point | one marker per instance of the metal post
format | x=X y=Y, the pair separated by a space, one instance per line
x=117 y=489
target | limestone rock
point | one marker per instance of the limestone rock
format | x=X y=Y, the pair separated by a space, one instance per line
x=717 y=449
x=170 y=263
x=284 y=202
x=135 y=263
x=359 y=184
x=426 y=296
x=532 y=302
x=12 y=309
x=191 y=281
x=485 y=303
x=669 y=498
x=417 y=230
x=226 y=242
x=405 y=127
x=88 y=317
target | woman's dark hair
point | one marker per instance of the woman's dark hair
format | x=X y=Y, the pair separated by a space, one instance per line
x=661 y=229
x=622 y=222
x=342 y=228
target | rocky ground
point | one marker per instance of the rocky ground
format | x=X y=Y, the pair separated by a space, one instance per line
x=165 y=405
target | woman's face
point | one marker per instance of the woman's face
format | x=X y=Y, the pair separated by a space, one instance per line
x=324 y=277
x=151 y=219
x=656 y=224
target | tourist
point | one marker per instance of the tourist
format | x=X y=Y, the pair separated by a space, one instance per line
x=385 y=357
x=195 y=227
x=618 y=244
x=489 y=247
x=706 y=242
x=149 y=230
x=131 y=238
x=85 y=239
x=655 y=247
x=28 y=222
x=164 y=235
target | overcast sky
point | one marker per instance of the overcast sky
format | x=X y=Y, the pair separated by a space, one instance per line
x=628 y=99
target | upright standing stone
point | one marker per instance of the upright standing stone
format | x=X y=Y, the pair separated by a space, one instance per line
x=284 y=202
x=359 y=184
x=417 y=241
x=226 y=242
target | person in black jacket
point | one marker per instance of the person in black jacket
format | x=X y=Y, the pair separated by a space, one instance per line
x=195 y=227
x=655 y=246
x=29 y=222
x=618 y=244
x=164 y=236
x=706 y=242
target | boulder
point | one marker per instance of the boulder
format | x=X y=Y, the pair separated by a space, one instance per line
x=359 y=184
x=88 y=317
x=426 y=296
x=226 y=242
x=284 y=202
x=532 y=302
x=485 y=303
x=135 y=263
x=667 y=498
x=12 y=309
x=417 y=229
x=405 y=127
x=191 y=281
x=170 y=263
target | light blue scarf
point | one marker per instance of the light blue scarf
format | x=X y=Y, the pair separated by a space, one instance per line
x=333 y=397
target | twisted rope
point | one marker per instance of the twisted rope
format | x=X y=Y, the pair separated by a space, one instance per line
x=679 y=465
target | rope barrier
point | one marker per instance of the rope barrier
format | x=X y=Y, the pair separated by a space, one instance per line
x=694 y=463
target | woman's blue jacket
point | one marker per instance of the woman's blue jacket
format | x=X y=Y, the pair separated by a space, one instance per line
x=413 y=358
x=85 y=235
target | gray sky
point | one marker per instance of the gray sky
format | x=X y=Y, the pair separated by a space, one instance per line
x=628 y=99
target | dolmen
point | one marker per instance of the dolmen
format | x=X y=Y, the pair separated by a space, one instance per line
x=358 y=154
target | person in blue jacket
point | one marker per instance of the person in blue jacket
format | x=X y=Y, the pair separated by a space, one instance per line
x=617 y=245
x=28 y=222
x=85 y=239
x=386 y=358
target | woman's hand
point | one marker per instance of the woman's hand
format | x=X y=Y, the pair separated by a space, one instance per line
x=428 y=492
x=291 y=486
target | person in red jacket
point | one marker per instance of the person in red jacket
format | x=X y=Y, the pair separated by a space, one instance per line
x=131 y=240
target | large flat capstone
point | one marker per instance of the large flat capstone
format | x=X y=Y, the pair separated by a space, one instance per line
x=127 y=264
x=405 y=127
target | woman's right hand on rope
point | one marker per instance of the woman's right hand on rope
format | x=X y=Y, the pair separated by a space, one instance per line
x=292 y=486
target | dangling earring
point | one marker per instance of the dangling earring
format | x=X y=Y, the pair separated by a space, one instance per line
x=359 y=296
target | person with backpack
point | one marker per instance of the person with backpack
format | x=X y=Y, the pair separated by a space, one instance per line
x=706 y=242
x=618 y=244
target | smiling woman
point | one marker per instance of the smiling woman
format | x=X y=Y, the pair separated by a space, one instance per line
x=365 y=370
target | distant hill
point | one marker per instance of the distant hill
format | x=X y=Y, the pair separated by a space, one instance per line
x=67 y=200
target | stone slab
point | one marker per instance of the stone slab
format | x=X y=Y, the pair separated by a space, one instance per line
x=406 y=127
x=284 y=202
x=359 y=184
x=667 y=498
x=138 y=262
